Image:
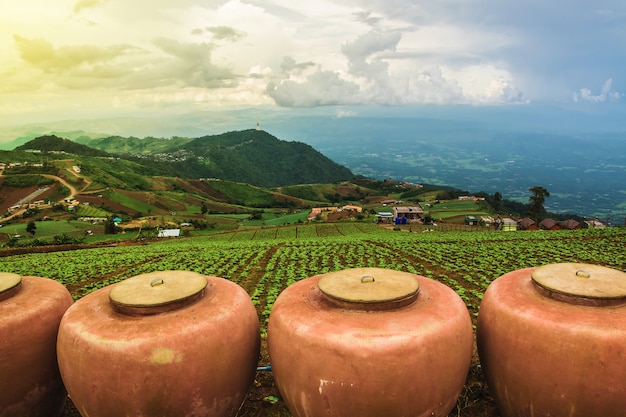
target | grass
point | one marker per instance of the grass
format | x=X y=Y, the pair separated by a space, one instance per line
x=278 y=218
x=49 y=229
x=240 y=193
x=90 y=211
x=130 y=202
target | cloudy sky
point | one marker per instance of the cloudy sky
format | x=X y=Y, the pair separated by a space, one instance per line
x=62 y=59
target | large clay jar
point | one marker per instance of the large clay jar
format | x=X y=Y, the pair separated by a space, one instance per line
x=30 y=312
x=163 y=344
x=369 y=342
x=552 y=341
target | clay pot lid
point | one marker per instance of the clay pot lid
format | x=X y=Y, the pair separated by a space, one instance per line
x=369 y=288
x=580 y=283
x=157 y=292
x=9 y=284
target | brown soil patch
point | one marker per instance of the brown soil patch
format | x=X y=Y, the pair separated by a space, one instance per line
x=341 y=215
x=206 y=189
x=163 y=203
x=9 y=196
x=345 y=190
x=160 y=184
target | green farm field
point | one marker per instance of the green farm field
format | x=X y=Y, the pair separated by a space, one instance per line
x=47 y=229
x=265 y=261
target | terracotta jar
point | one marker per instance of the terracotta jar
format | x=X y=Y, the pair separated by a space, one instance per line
x=163 y=344
x=369 y=342
x=30 y=312
x=552 y=341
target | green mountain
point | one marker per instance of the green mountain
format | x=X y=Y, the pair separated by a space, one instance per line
x=257 y=157
x=251 y=156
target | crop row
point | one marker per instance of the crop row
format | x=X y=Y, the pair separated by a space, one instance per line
x=266 y=261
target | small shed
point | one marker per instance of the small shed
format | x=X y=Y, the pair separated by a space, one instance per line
x=487 y=221
x=384 y=217
x=527 y=224
x=169 y=233
x=507 y=224
x=471 y=220
x=595 y=224
x=549 y=224
x=569 y=224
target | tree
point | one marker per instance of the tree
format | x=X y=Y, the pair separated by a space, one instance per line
x=109 y=226
x=256 y=215
x=443 y=195
x=203 y=208
x=537 y=198
x=497 y=200
x=31 y=228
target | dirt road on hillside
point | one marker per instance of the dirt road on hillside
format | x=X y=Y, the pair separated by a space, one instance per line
x=72 y=189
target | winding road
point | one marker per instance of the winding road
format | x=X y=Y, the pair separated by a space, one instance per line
x=72 y=189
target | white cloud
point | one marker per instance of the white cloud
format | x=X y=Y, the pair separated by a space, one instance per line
x=190 y=65
x=586 y=95
x=321 y=88
x=221 y=33
x=387 y=76
x=227 y=52
x=341 y=113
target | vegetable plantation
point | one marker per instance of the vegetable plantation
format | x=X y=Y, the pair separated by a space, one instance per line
x=265 y=261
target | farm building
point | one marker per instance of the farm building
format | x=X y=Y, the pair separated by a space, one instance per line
x=319 y=210
x=506 y=224
x=487 y=221
x=549 y=224
x=411 y=214
x=595 y=223
x=569 y=224
x=384 y=217
x=471 y=220
x=527 y=224
x=169 y=233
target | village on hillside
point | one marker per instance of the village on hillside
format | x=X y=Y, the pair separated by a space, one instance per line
x=19 y=205
x=401 y=213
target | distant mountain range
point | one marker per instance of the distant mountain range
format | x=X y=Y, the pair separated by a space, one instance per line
x=577 y=155
x=221 y=174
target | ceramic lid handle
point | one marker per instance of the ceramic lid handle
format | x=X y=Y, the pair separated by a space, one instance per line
x=582 y=273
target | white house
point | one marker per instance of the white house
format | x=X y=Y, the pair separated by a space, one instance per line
x=169 y=233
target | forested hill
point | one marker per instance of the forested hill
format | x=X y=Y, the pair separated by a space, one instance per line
x=250 y=156
x=256 y=157
x=52 y=143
